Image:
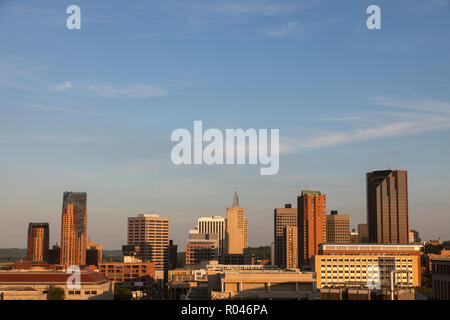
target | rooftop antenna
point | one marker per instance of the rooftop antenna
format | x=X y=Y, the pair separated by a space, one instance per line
x=236 y=199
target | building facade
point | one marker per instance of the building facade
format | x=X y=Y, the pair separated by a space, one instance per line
x=214 y=225
x=362 y=233
x=338 y=228
x=440 y=271
x=38 y=242
x=236 y=229
x=202 y=247
x=73 y=229
x=366 y=265
x=312 y=208
x=34 y=285
x=284 y=218
x=150 y=233
x=387 y=206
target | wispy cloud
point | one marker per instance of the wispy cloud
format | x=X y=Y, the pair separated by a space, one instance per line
x=419 y=116
x=63 y=86
x=53 y=139
x=292 y=28
x=135 y=91
x=64 y=110
x=255 y=7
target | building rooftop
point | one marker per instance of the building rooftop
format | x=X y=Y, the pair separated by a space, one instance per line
x=48 y=277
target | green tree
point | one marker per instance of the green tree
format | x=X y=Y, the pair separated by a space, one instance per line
x=122 y=294
x=55 y=293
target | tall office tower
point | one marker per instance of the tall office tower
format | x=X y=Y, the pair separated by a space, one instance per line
x=283 y=217
x=387 y=206
x=291 y=247
x=38 y=242
x=354 y=236
x=362 y=233
x=173 y=255
x=151 y=233
x=312 y=220
x=73 y=229
x=338 y=228
x=213 y=225
x=236 y=229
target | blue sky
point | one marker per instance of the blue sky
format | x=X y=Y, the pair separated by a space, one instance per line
x=93 y=109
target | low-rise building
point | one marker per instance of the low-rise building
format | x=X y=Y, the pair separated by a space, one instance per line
x=263 y=284
x=34 y=285
x=367 y=265
x=440 y=272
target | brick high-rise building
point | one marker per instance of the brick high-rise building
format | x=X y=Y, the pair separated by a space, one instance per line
x=312 y=219
x=387 y=206
x=151 y=233
x=73 y=229
x=284 y=217
x=236 y=229
x=38 y=242
x=338 y=228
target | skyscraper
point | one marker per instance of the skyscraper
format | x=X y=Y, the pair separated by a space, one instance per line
x=151 y=233
x=73 y=229
x=387 y=206
x=237 y=229
x=38 y=242
x=291 y=247
x=213 y=225
x=362 y=233
x=285 y=217
x=312 y=219
x=338 y=228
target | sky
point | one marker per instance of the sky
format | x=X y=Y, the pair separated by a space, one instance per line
x=93 y=109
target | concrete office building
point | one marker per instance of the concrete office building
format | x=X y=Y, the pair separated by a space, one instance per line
x=38 y=242
x=236 y=229
x=387 y=206
x=149 y=234
x=338 y=228
x=359 y=265
x=73 y=229
x=263 y=284
x=201 y=247
x=440 y=272
x=213 y=225
x=311 y=206
x=284 y=218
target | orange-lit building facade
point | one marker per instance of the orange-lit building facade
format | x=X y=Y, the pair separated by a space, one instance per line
x=38 y=242
x=387 y=206
x=123 y=271
x=312 y=219
x=285 y=219
x=73 y=229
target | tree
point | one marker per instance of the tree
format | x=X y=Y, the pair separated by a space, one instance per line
x=55 y=293
x=122 y=294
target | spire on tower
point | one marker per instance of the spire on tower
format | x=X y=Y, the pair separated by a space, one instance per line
x=235 y=199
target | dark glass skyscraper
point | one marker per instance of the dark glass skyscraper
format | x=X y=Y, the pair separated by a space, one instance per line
x=387 y=206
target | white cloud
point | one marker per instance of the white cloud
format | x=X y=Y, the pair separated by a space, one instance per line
x=63 y=86
x=136 y=91
x=290 y=29
x=427 y=116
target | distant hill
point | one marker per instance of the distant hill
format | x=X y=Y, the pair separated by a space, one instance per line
x=13 y=254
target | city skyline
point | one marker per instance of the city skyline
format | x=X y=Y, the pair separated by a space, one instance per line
x=93 y=109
